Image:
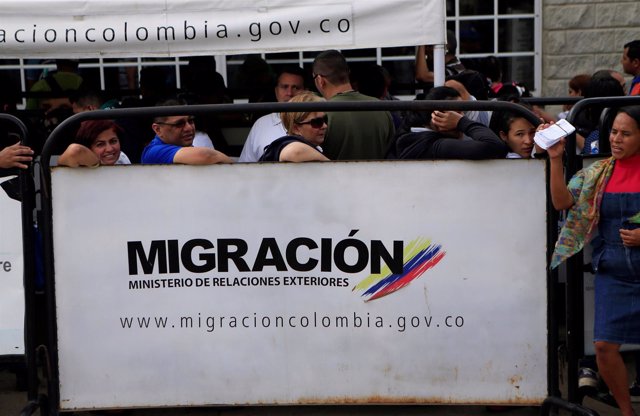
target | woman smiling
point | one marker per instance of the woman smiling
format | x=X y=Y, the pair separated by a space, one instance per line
x=97 y=143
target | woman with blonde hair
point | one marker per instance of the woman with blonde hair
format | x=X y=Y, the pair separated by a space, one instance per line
x=305 y=134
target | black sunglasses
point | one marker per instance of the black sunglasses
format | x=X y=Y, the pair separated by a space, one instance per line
x=317 y=122
x=179 y=124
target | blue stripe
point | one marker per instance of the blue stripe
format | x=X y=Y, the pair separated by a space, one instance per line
x=419 y=259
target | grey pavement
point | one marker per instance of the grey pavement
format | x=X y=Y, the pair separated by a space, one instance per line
x=12 y=401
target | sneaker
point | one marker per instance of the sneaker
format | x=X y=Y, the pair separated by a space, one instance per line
x=634 y=392
x=587 y=381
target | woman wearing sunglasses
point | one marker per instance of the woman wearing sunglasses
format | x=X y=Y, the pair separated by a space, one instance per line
x=305 y=131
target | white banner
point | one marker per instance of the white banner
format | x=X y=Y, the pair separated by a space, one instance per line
x=369 y=282
x=128 y=28
x=11 y=267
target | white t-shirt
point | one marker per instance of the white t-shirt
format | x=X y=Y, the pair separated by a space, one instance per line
x=264 y=131
x=202 y=139
x=123 y=159
x=481 y=117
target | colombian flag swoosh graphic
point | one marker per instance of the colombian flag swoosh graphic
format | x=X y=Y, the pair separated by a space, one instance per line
x=419 y=256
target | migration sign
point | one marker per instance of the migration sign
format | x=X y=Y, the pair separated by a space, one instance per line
x=363 y=282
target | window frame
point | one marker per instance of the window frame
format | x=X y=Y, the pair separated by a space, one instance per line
x=225 y=63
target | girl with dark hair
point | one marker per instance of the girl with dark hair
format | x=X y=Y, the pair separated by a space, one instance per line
x=516 y=131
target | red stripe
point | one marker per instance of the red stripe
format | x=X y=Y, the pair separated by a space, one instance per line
x=411 y=275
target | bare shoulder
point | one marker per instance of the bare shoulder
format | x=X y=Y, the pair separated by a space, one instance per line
x=300 y=152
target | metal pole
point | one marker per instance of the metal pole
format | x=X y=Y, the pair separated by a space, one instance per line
x=438 y=65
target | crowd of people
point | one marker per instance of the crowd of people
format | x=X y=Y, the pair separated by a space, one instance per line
x=603 y=197
x=349 y=135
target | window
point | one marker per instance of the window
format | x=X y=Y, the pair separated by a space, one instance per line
x=507 y=29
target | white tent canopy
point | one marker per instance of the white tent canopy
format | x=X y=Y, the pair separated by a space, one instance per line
x=151 y=28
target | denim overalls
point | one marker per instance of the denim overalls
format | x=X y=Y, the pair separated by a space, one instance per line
x=617 y=285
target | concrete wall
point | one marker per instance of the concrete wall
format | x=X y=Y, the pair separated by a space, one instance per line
x=583 y=36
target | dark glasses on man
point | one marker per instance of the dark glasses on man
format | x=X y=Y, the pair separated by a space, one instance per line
x=316 y=123
x=179 y=124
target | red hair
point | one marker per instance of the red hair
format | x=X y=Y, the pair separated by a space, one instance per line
x=89 y=131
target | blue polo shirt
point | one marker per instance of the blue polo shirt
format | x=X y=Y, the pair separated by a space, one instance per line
x=158 y=152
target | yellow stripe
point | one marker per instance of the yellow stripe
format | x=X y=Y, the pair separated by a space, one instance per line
x=410 y=251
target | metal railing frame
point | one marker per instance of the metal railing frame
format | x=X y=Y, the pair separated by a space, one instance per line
x=49 y=403
x=27 y=192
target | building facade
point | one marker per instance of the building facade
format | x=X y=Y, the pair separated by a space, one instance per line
x=540 y=43
x=583 y=36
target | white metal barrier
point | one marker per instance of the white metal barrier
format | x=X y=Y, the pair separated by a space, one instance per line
x=11 y=268
x=279 y=284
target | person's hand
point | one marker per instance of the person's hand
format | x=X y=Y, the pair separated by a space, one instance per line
x=543 y=124
x=458 y=86
x=540 y=112
x=557 y=150
x=15 y=156
x=445 y=120
x=630 y=238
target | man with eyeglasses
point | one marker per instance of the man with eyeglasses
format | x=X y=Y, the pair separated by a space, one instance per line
x=268 y=128
x=351 y=135
x=174 y=144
